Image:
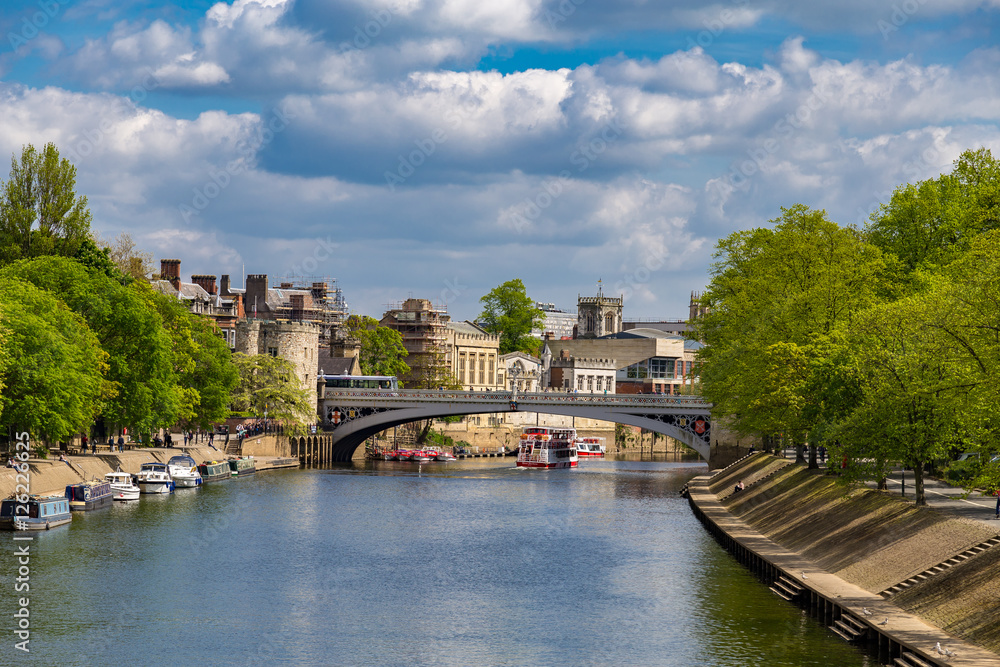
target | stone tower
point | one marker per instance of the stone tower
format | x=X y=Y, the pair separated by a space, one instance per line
x=297 y=342
x=598 y=315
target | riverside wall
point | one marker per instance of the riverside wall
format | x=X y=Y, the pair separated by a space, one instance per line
x=936 y=578
x=51 y=476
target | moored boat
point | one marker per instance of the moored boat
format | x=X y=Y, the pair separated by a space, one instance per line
x=403 y=454
x=547 y=447
x=183 y=471
x=445 y=456
x=214 y=471
x=89 y=495
x=122 y=486
x=420 y=456
x=35 y=513
x=154 y=478
x=590 y=447
x=242 y=466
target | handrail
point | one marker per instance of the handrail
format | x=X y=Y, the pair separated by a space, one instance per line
x=491 y=398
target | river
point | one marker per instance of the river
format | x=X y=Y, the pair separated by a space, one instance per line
x=466 y=563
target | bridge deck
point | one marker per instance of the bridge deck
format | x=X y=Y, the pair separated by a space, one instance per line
x=405 y=396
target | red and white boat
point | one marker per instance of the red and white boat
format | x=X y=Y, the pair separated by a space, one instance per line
x=420 y=456
x=547 y=447
x=590 y=447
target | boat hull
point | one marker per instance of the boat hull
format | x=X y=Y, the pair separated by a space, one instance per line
x=93 y=504
x=122 y=494
x=7 y=523
x=187 y=482
x=214 y=472
x=155 y=487
x=536 y=464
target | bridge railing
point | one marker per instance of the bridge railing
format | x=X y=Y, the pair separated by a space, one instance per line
x=523 y=398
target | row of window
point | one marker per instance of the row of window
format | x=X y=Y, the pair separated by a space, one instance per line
x=470 y=376
x=658 y=368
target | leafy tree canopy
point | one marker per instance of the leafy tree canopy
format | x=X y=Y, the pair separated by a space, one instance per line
x=40 y=213
x=54 y=371
x=382 y=350
x=509 y=312
x=269 y=385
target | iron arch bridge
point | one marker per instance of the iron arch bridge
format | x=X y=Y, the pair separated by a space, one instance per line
x=354 y=415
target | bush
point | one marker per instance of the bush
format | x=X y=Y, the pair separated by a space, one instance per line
x=960 y=472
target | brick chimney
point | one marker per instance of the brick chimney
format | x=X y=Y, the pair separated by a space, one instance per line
x=207 y=283
x=298 y=306
x=170 y=269
x=224 y=285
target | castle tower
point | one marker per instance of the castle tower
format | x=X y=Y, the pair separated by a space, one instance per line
x=598 y=315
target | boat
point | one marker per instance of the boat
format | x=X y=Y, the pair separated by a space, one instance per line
x=590 y=447
x=154 y=478
x=445 y=456
x=547 y=447
x=34 y=513
x=89 y=495
x=214 y=471
x=242 y=466
x=183 y=471
x=420 y=456
x=122 y=486
x=403 y=454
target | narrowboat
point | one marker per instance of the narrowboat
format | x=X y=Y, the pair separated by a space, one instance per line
x=37 y=513
x=154 y=478
x=183 y=471
x=122 y=486
x=89 y=495
x=546 y=447
x=213 y=471
x=242 y=466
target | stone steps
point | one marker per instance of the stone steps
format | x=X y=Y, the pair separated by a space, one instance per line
x=941 y=567
x=786 y=589
x=913 y=660
x=756 y=481
x=850 y=629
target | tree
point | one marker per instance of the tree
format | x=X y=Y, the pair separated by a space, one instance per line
x=268 y=385
x=202 y=363
x=776 y=304
x=40 y=213
x=509 y=312
x=382 y=350
x=54 y=370
x=127 y=256
x=124 y=319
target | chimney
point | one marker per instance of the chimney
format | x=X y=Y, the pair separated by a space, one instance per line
x=285 y=285
x=207 y=283
x=170 y=269
x=224 y=285
x=298 y=306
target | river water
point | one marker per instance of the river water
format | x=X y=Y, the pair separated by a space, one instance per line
x=466 y=563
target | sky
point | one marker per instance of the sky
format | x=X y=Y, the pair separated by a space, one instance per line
x=438 y=148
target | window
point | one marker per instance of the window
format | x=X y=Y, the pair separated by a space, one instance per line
x=609 y=323
x=590 y=383
x=579 y=382
x=461 y=368
x=492 y=365
x=482 y=369
x=661 y=368
x=600 y=383
x=273 y=351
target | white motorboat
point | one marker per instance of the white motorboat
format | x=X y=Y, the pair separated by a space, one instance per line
x=122 y=487
x=154 y=478
x=183 y=471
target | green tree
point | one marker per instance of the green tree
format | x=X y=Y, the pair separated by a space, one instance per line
x=382 y=350
x=40 y=213
x=54 y=372
x=509 y=312
x=202 y=364
x=125 y=320
x=269 y=385
x=777 y=302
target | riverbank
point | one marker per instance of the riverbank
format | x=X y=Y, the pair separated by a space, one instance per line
x=931 y=574
x=51 y=476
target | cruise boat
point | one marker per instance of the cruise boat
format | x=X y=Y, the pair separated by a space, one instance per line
x=214 y=471
x=547 y=447
x=89 y=495
x=590 y=447
x=243 y=466
x=35 y=513
x=155 y=478
x=122 y=486
x=183 y=471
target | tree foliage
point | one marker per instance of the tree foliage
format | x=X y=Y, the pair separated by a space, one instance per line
x=40 y=213
x=269 y=385
x=53 y=374
x=509 y=312
x=382 y=350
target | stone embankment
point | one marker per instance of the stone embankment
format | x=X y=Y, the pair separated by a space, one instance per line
x=936 y=578
x=51 y=476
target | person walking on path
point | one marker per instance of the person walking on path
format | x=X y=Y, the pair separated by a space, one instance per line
x=996 y=493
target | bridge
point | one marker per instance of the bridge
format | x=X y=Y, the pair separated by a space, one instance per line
x=354 y=415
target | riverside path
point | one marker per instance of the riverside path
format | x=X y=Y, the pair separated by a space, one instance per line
x=353 y=415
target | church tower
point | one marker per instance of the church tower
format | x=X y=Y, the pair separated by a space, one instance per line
x=598 y=315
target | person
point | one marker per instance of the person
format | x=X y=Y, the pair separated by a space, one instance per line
x=10 y=462
x=121 y=443
x=62 y=457
x=93 y=446
x=997 y=494
x=739 y=486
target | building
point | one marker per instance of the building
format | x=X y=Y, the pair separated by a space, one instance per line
x=598 y=315
x=471 y=355
x=296 y=342
x=556 y=323
x=520 y=371
x=422 y=326
x=201 y=297
x=590 y=375
x=318 y=301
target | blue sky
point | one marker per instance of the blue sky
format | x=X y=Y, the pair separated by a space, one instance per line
x=436 y=148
